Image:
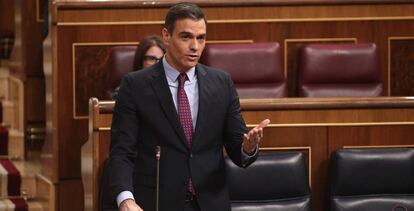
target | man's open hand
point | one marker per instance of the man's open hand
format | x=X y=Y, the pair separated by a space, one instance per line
x=253 y=137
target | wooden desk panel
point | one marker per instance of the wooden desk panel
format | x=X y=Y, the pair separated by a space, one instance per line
x=327 y=124
x=316 y=126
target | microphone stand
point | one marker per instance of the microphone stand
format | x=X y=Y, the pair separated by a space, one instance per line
x=157 y=197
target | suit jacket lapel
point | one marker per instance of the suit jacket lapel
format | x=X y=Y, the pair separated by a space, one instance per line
x=163 y=93
x=205 y=88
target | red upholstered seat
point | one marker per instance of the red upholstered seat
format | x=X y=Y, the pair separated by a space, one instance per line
x=20 y=204
x=4 y=141
x=256 y=68
x=121 y=61
x=339 y=70
x=4 y=134
x=14 y=203
x=10 y=179
x=10 y=174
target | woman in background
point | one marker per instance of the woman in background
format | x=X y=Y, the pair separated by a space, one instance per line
x=150 y=50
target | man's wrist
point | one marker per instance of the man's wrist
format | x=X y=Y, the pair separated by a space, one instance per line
x=123 y=196
x=248 y=151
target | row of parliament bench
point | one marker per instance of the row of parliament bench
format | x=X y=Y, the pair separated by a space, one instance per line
x=311 y=128
x=325 y=70
x=360 y=180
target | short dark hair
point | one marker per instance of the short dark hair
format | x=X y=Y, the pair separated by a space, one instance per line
x=181 y=11
x=144 y=45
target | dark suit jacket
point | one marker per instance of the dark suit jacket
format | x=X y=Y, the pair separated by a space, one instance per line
x=145 y=117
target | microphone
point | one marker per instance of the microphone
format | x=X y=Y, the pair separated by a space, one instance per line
x=157 y=196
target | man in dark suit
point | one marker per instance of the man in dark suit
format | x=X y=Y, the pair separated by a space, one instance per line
x=191 y=111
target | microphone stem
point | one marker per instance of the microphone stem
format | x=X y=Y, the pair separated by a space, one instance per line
x=157 y=197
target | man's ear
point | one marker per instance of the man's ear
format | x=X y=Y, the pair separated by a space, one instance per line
x=165 y=35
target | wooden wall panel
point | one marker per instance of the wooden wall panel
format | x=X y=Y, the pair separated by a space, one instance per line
x=403 y=28
x=291 y=36
x=256 y=32
x=50 y=157
x=35 y=89
x=401 y=61
x=6 y=19
x=92 y=12
x=7 y=28
x=41 y=10
x=31 y=40
x=90 y=74
x=73 y=129
x=72 y=192
x=372 y=136
x=26 y=64
x=90 y=24
x=35 y=112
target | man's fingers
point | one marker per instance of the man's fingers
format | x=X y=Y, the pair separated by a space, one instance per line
x=256 y=133
x=129 y=205
x=253 y=137
x=263 y=124
x=250 y=134
x=245 y=137
x=259 y=128
x=260 y=132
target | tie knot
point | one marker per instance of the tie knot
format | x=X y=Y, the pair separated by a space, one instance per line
x=182 y=78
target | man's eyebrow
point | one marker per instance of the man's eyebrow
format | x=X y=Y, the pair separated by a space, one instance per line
x=185 y=33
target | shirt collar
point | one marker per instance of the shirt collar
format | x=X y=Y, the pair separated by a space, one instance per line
x=172 y=73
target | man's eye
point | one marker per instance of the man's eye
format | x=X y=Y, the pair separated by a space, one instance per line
x=185 y=37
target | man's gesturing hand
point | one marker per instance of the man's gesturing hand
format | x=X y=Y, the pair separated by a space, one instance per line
x=129 y=205
x=253 y=137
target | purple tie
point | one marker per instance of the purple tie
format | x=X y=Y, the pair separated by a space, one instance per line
x=185 y=117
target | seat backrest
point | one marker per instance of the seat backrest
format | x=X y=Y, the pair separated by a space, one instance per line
x=4 y=134
x=339 y=70
x=276 y=181
x=120 y=62
x=256 y=68
x=372 y=179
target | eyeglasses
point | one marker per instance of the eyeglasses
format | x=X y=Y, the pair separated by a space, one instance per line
x=149 y=58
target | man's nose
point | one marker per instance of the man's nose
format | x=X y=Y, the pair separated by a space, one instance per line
x=194 y=45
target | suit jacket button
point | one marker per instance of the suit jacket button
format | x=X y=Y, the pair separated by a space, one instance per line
x=191 y=155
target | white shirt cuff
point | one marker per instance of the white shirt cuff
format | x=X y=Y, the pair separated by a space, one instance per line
x=124 y=195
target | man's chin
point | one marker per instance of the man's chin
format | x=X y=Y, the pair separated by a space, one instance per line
x=190 y=64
